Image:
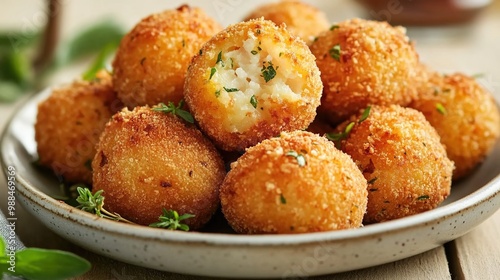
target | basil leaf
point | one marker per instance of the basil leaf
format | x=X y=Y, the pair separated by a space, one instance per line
x=35 y=263
x=89 y=41
x=16 y=68
x=100 y=62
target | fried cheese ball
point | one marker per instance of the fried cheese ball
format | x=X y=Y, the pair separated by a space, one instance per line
x=301 y=19
x=250 y=82
x=69 y=123
x=402 y=159
x=295 y=183
x=148 y=160
x=364 y=62
x=151 y=61
x=465 y=116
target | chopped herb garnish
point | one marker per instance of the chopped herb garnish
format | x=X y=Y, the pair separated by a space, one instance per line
x=337 y=137
x=268 y=73
x=423 y=197
x=301 y=160
x=333 y=27
x=230 y=89
x=440 y=108
x=170 y=219
x=217 y=93
x=94 y=204
x=232 y=63
x=259 y=48
x=282 y=199
x=178 y=111
x=365 y=114
x=258 y=31
x=253 y=101
x=335 y=52
x=212 y=72
x=219 y=59
x=372 y=180
x=280 y=54
x=254 y=52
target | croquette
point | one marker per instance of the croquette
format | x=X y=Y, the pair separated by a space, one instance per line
x=68 y=126
x=295 y=183
x=301 y=19
x=465 y=116
x=151 y=62
x=401 y=157
x=364 y=62
x=250 y=82
x=148 y=160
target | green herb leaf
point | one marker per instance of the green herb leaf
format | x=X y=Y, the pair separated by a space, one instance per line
x=16 y=68
x=254 y=52
x=170 y=219
x=35 y=263
x=333 y=27
x=268 y=73
x=253 y=101
x=175 y=110
x=100 y=62
x=337 y=137
x=441 y=109
x=365 y=114
x=219 y=59
x=212 y=72
x=89 y=41
x=301 y=160
x=217 y=93
x=335 y=52
x=282 y=199
x=423 y=197
x=372 y=180
x=231 y=89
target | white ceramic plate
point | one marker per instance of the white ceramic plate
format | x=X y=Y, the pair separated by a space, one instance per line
x=229 y=255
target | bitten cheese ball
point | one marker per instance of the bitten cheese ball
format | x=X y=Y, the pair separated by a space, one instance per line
x=301 y=19
x=250 y=82
x=364 y=62
x=295 y=183
x=465 y=116
x=148 y=160
x=152 y=59
x=402 y=159
x=69 y=123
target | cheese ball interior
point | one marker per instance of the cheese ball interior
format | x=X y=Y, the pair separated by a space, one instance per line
x=301 y=19
x=364 y=62
x=152 y=59
x=68 y=126
x=149 y=160
x=402 y=159
x=250 y=82
x=295 y=183
x=465 y=116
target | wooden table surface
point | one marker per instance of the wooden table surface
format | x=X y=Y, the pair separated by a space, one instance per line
x=474 y=48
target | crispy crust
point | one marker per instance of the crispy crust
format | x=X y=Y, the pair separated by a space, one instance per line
x=377 y=65
x=267 y=191
x=468 y=121
x=301 y=19
x=68 y=126
x=152 y=59
x=401 y=157
x=280 y=114
x=150 y=160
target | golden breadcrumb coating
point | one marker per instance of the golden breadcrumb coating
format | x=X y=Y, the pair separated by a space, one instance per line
x=250 y=82
x=68 y=126
x=301 y=19
x=402 y=159
x=149 y=160
x=465 y=116
x=296 y=183
x=152 y=59
x=364 y=62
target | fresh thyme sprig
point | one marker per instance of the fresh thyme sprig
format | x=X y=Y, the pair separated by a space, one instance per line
x=175 y=110
x=94 y=204
x=170 y=219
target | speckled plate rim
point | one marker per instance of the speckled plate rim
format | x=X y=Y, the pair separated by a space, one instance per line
x=57 y=207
